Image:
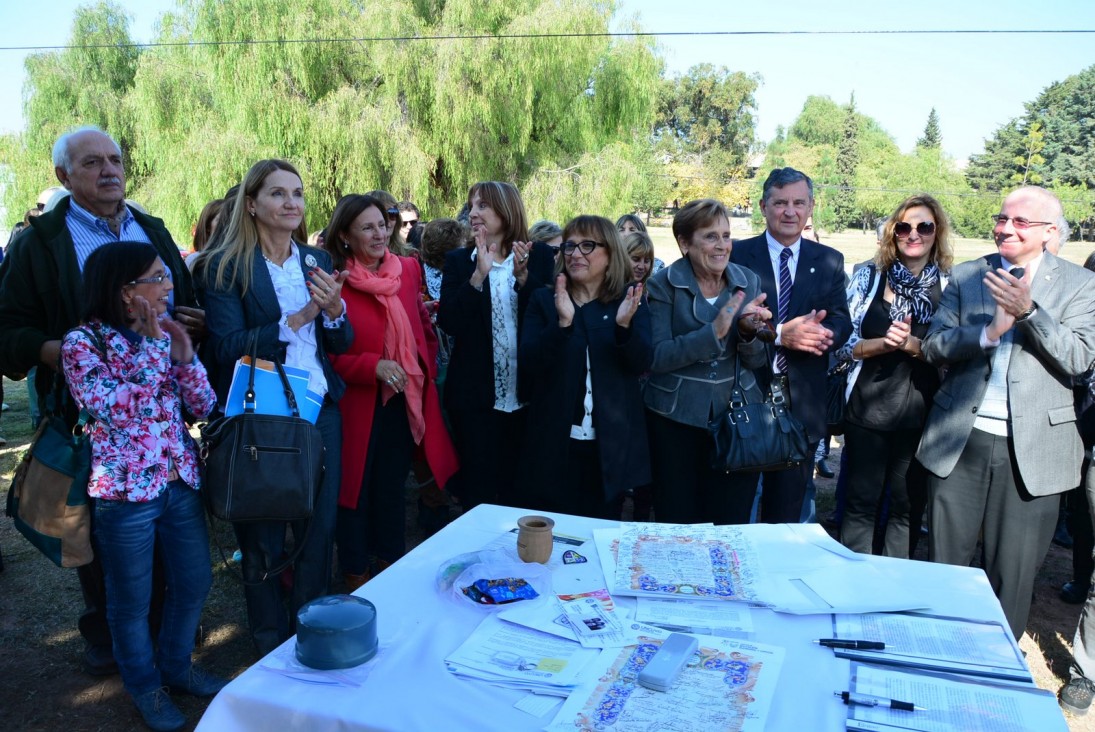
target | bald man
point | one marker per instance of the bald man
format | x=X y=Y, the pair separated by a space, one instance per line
x=1002 y=440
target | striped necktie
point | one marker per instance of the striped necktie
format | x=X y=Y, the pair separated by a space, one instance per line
x=784 y=306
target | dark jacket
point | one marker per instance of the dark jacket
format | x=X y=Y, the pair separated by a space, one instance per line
x=232 y=318
x=693 y=371
x=41 y=288
x=554 y=359
x=819 y=285
x=465 y=315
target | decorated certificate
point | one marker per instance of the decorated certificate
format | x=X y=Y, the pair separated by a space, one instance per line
x=727 y=685
x=703 y=562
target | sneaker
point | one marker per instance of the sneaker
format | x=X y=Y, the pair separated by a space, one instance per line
x=1074 y=592
x=5 y=407
x=197 y=682
x=159 y=712
x=1076 y=696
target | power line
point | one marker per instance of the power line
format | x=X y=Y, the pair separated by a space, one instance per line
x=530 y=36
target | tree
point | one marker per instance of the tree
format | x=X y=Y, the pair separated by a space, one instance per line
x=932 y=138
x=421 y=118
x=847 y=159
x=1029 y=160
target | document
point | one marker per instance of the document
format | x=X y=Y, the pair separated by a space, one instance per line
x=951 y=703
x=728 y=685
x=520 y=657
x=710 y=618
x=981 y=648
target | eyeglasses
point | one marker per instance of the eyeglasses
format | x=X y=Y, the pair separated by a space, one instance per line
x=153 y=280
x=585 y=246
x=1019 y=222
x=903 y=228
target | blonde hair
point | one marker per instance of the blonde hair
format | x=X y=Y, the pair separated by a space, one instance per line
x=241 y=235
x=942 y=254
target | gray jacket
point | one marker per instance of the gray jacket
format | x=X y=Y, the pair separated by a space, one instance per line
x=693 y=371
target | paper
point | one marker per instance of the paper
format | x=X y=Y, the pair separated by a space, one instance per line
x=728 y=685
x=600 y=620
x=981 y=648
x=952 y=703
x=699 y=617
x=283 y=661
x=520 y=657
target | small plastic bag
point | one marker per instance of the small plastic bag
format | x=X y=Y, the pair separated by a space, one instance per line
x=468 y=570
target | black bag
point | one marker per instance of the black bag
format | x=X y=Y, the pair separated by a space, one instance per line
x=759 y=436
x=835 y=401
x=261 y=467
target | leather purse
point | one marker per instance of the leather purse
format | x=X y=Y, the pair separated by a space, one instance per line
x=757 y=436
x=836 y=386
x=262 y=467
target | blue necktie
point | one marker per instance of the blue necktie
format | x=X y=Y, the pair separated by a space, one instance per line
x=784 y=306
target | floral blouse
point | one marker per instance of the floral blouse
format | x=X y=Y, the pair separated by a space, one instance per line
x=136 y=397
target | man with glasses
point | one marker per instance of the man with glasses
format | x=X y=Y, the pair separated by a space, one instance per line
x=1001 y=440
x=40 y=299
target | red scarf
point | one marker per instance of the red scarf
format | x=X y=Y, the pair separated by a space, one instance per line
x=399 y=343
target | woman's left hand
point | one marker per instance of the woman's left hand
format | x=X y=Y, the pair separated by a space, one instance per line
x=897 y=336
x=182 y=348
x=521 y=252
x=327 y=291
x=629 y=306
x=753 y=316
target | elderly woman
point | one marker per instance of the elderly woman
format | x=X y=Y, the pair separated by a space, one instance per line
x=890 y=390
x=390 y=406
x=583 y=347
x=484 y=292
x=133 y=369
x=705 y=312
x=262 y=284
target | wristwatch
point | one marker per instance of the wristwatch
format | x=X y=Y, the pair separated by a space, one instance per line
x=1027 y=313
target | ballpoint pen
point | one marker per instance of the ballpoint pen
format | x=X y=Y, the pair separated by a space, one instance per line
x=855 y=645
x=867 y=700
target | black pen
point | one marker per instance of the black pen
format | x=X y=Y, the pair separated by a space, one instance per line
x=853 y=645
x=866 y=700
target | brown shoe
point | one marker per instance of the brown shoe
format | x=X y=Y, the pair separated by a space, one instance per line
x=353 y=581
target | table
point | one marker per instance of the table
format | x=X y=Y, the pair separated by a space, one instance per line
x=409 y=688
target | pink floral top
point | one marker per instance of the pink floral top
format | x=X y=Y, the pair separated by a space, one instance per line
x=136 y=396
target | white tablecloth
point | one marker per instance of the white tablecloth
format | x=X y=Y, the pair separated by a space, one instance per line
x=409 y=689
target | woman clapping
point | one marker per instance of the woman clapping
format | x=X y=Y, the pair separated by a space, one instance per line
x=584 y=345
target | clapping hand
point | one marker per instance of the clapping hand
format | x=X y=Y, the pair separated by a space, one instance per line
x=629 y=306
x=521 y=251
x=564 y=306
x=728 y=313
x=754 y=317
x=806 y=333
x=182 y=348
x=898 y=334
x=327 y=291
x=147 y=321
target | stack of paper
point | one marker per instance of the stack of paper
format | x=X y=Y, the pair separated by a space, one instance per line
x=518 y=657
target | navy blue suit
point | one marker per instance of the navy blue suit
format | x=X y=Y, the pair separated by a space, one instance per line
x=819 y=284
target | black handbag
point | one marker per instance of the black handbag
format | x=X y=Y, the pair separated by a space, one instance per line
x=261 y=467
x=836 y=386
x=757 y=436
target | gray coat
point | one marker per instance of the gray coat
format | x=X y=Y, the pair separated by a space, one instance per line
x=693 y=371
x=1052 y=346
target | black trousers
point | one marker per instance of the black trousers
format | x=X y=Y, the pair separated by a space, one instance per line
x=984 y=494
x=874 y=459
x=686 y=489
x=488 y=443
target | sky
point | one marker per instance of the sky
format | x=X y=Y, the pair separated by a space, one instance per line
x=976 y=82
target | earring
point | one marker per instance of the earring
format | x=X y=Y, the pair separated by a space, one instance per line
x=252 y=214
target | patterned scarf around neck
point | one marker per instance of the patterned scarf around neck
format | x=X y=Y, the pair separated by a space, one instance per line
x=912 y=294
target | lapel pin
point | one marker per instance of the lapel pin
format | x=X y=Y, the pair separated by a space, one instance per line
x=604 y=317
x=811 y=270
x=310 y=260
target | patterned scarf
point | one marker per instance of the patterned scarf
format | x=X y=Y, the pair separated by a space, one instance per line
x=912 y=294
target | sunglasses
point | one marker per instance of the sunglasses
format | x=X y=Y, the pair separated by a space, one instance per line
x=411 y=222
x=903 y=228
x=586 y=247
x=1019 y=222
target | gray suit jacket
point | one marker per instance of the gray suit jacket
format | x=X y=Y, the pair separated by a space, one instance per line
x=1052 y=346
x=693 y=371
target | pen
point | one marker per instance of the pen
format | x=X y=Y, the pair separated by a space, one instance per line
x=866 y=700
x=855 y=645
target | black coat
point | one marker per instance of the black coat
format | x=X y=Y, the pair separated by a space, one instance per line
x=554 y=359
x=465 y=315
x=819 y=285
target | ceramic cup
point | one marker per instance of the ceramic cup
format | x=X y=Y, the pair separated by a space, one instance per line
x=534 y=538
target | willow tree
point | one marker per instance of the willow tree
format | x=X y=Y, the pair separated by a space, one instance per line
x=86 y=83
x=421 y=116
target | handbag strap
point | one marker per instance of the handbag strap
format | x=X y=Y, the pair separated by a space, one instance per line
x=250 y=401
x=238 y=573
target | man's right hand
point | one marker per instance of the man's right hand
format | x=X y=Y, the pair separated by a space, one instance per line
x=806 y=333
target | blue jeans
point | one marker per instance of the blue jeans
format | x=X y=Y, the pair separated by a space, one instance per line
x=125 y=534
x=263 y=543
